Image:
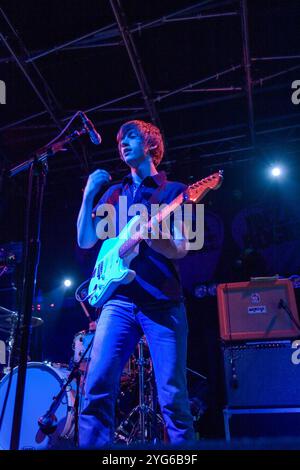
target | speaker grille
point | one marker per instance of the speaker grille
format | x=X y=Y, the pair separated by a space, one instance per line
x=261 y=375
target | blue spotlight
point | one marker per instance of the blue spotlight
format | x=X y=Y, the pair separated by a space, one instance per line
x=200 y=291
x=67 y=283
x=212 y=289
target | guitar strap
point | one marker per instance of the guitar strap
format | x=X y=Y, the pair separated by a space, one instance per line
x=154 y=198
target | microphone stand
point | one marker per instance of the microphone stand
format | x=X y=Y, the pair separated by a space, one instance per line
x=38 y=168
x=48 y=421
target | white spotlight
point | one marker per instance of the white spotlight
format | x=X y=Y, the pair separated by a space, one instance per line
x=67 y=283
x=276 y=171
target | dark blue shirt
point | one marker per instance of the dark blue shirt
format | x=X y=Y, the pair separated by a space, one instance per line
x=157 y=277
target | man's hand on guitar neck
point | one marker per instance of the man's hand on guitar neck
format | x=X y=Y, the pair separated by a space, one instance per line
x=163 y=242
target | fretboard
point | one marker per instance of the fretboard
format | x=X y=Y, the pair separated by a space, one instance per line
x=159 y=216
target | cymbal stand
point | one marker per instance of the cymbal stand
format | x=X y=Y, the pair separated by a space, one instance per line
x=142 y=406
x=11 y=342
x=143 y=423
x=147 y=411
x=12 y=346
x=12 y=339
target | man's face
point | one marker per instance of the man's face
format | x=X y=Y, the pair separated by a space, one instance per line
x=132 y=148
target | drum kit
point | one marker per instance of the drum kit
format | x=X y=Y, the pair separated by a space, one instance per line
x=137 y=417
x=143 y=423
x=9 y=320
x=54 y=395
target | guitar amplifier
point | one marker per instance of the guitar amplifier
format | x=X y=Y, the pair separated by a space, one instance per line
x=259 y=309
x=262 y=374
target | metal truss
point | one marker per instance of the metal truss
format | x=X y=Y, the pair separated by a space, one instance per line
x=46 y=97
x=121 y=34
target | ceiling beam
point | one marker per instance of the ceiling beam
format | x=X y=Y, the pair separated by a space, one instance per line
x=135 y=61
x=247 y=67
x=48 y=101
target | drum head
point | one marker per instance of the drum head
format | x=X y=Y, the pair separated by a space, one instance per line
x=43 y=382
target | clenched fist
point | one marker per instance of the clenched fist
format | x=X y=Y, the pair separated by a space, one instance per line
x=96 y=180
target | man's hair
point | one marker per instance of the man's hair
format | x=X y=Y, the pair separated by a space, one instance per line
x=151 y=135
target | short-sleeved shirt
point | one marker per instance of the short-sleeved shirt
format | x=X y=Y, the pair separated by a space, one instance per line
x=157 y=277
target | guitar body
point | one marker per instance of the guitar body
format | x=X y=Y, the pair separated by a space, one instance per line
x=110 y=269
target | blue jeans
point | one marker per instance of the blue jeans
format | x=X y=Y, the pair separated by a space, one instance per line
x=120 y=326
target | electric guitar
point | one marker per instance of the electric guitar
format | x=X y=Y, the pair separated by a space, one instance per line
x=112 y=267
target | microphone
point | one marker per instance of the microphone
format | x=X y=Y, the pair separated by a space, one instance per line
x=48 y=423
x=90 y=129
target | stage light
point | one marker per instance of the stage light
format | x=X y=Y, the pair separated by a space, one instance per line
x=200 y=291
x=276 y=171
x=67 y=283
x=212 y=289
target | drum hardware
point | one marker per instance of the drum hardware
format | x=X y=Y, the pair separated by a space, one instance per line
x=38 y=169
x=8 y=324
x=143 y=423
x=11 y=254
x=147 y=413
x=11 y=322
x=44 y=380
x=9 y=318
x=48 y=422
x=142 y=406
x=10 y=343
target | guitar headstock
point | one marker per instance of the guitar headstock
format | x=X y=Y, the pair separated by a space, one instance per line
x=197 y=190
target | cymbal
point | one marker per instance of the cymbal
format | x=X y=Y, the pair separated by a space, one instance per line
x=7 y=320
x=36 y=321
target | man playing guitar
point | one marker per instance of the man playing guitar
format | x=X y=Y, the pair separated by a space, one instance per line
x=151 y=304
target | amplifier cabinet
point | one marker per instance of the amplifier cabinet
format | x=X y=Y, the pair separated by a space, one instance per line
x=257 y=310
x=262 y=374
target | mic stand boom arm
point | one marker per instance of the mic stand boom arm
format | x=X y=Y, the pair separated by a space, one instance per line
x=43 y=154
x=48 y=422
x=38 y=168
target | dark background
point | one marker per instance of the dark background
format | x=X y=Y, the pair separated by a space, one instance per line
x=217 y=117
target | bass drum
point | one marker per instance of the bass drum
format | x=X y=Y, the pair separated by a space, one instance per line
x=43 y=382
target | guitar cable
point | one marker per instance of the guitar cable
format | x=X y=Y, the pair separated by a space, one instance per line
x=78 y=295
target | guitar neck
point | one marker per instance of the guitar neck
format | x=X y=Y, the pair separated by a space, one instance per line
x=162 y=214
x=159 y=216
